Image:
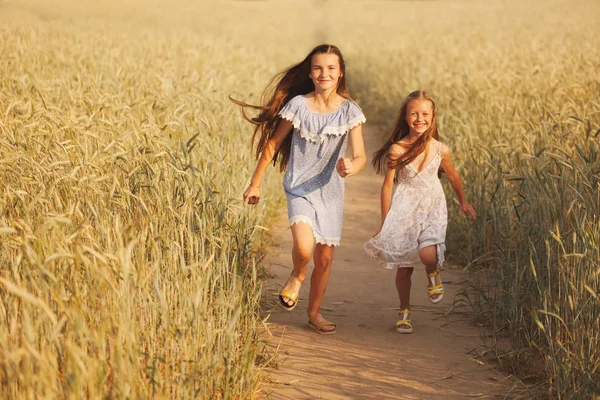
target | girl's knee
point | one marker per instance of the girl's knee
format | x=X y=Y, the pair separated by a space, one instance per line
x=323 y=257
x=323 y=260
x=404 y=273
x=428 y=255
x=302 y=253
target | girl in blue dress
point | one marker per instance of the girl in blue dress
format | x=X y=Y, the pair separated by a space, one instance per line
x=305 y=126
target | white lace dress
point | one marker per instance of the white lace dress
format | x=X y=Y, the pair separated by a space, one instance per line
x=417 y=218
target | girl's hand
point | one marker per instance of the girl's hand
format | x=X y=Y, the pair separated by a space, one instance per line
x=376 y=233
x=344 y=167
x=467 y=209
x=252 y=194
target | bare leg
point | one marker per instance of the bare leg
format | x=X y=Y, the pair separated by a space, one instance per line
x=429 y=258
x=301 y=251
x=323 y=257
x=403 y=284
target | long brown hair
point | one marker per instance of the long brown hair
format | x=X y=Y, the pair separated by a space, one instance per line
x=282 y=88
x=401 y=130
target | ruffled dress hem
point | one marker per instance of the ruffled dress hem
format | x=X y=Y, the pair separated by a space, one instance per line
x=382 y=257
x=318 y=238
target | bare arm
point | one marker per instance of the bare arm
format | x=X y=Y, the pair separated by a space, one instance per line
x=252 y=193
x=346 y=167
x=387 y=188
x=386 y=193
x=455 y=182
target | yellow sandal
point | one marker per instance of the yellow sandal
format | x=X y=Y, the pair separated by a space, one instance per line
x=433 y=289
x=291 y=284
x=403 y=325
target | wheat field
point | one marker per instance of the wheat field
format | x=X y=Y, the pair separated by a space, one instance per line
x=129 y=267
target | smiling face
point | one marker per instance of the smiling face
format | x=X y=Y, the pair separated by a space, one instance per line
x=419 y=114
x=325 y=71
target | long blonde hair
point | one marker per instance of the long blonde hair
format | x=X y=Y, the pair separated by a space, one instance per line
x=401 y=130
x=293 y=81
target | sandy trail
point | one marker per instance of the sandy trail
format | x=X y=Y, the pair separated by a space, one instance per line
x=366 y=358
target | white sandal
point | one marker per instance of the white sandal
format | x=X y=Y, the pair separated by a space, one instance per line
x=433 y=289
x=403 y=325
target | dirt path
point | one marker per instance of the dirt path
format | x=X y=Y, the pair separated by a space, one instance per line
x=366 y=358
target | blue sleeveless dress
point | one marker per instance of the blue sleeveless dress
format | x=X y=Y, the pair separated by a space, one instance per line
x=314 y=189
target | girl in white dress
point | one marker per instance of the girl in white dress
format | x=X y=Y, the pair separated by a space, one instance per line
x=413 y=206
